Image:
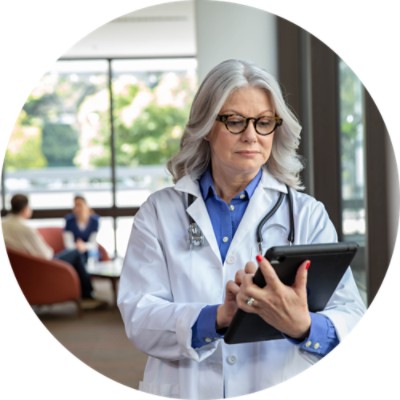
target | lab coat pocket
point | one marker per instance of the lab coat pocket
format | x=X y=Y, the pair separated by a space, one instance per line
x=163 y=389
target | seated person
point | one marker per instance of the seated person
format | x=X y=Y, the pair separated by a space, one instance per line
x=20 y=236
x=81 y=227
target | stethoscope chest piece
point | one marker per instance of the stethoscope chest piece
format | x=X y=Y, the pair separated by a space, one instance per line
x=196 y=237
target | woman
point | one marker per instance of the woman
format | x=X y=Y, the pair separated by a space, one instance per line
x=237 y=155
x=81 y=228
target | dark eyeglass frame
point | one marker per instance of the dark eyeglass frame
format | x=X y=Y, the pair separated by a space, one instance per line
x=224 y=119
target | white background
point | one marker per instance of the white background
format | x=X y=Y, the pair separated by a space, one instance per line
x=33 y=34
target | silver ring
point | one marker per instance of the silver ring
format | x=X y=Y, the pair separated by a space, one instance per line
x=250 y=301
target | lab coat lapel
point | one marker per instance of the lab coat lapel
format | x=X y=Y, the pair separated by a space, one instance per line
x=198 y=211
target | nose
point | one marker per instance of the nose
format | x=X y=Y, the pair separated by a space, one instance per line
x=249 y=134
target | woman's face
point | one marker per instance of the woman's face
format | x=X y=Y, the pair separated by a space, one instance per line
x=80 y=207
x=241 y=154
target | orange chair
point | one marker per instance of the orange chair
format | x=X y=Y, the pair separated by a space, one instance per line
x=53 y=235
x=45 y=282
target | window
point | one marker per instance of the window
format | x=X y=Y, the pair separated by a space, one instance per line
x=103 y=128
x=353 y=166
x=151 y=105
x=51 y=150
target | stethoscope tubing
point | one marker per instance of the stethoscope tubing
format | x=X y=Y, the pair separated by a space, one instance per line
x=199 y=239
x=272 y=212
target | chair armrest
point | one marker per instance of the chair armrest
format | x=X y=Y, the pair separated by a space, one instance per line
x=44 y=281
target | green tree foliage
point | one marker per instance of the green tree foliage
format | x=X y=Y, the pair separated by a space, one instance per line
x=29 y=156
x=151 y=138
x=349 y=94
x=59 y=144
x=39 y=107
x=24 y=151
x=148 y=119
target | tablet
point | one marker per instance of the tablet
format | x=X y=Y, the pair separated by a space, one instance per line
x=329 y=262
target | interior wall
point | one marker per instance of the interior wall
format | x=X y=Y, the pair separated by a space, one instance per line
x=226 y=30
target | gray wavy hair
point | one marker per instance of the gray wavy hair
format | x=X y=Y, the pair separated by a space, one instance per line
x=194 y=156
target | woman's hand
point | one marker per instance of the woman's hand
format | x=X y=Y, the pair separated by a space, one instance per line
x=80 y=245
x=284 y=307
x=227 y=310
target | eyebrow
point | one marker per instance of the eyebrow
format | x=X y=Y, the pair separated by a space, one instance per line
x=232 y=111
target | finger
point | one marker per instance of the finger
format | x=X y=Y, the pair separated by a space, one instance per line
x=232 y=288
x=250 y=302
x=270 y=276
x=301 y=275
x=247 y=281
x=244 y=302
x=239 y=276
x=250 y=268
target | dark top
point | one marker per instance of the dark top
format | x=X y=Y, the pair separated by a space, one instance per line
x=71 y=225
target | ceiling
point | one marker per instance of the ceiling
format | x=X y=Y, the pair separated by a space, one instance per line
x=163 y=30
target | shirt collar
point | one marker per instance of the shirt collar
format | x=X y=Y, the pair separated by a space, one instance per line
x=207 y=187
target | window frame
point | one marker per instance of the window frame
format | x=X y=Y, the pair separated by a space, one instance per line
x=308 y=73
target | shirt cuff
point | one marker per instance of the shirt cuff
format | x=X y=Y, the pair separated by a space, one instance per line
x=322 y=337
x=204 y=330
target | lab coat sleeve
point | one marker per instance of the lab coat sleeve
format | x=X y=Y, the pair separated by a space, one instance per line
x=345 y=308
x=156 y=324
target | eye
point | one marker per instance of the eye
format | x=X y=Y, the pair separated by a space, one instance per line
x=265 y=122
x=235 y=120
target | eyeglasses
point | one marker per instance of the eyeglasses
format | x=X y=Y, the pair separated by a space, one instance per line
x=236 y=123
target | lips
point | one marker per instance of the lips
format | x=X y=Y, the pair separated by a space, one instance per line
x=248 y=152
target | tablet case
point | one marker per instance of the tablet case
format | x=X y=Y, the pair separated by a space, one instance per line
x=329 y=262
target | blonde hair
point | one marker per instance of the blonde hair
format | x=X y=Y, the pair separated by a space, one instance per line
x=194 y=155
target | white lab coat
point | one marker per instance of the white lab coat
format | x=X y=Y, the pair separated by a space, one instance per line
x=164 y=285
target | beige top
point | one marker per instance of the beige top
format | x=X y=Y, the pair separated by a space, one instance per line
x=20 y=236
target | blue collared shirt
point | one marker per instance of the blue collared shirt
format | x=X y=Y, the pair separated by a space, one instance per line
x=225 y=220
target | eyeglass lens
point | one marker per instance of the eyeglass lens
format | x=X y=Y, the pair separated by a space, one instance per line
x=238 y=124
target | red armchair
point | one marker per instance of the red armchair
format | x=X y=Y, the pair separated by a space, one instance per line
x=45 y=282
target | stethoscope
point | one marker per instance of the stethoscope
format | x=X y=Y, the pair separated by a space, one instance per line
x=196 y=237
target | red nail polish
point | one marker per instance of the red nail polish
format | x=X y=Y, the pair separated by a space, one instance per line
x=308 y=263
x=259 y=258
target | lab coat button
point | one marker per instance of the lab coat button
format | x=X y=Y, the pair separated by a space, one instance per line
x=231 y=360
x=309 y=343
x=230 y=259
